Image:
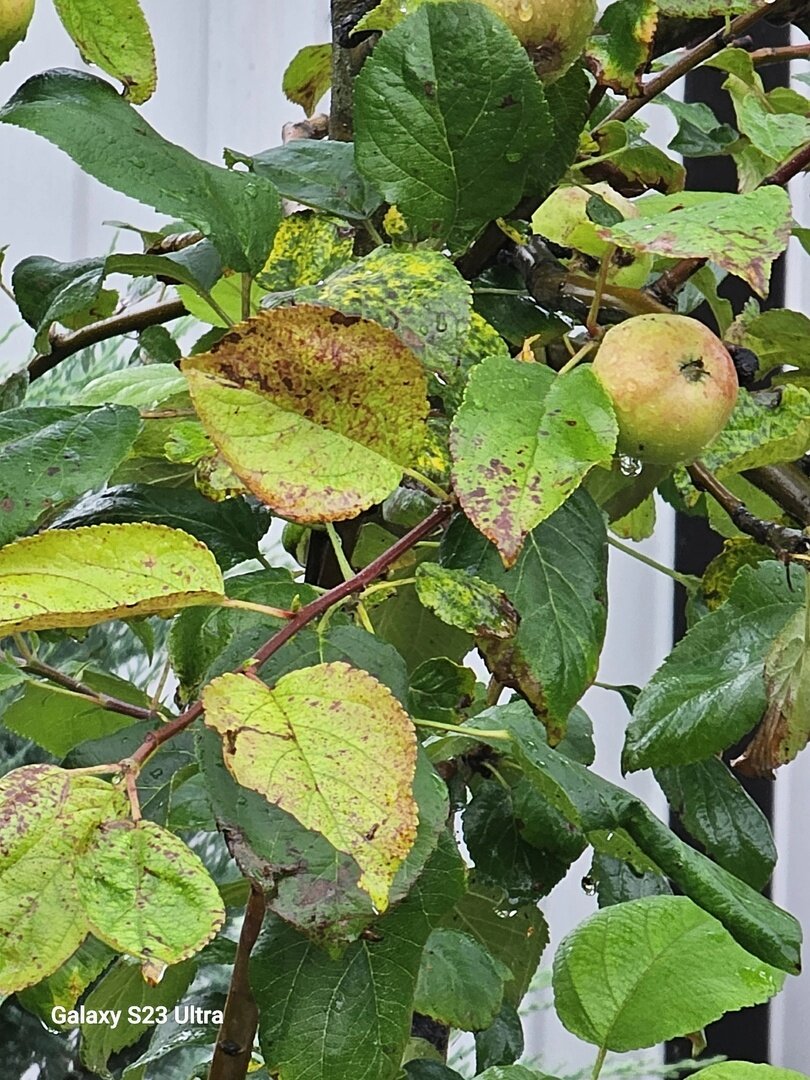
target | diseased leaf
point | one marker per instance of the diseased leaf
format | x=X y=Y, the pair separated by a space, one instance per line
x=717 y=812
x=460 y=983
x=306 y=746
x=147 y=894
x=108 y=139
x=620 y=49
x=742 y=233
x=448 y=113
x=777 y=336
x=114 y=35
x=307 y=248
x=420 y=295
x=47 y=817
x=462 y=600
x=568 y=105
x=69 y=983
x=316 y=412
x=785 y=727
x=702 y=9
x=231 y=529
x=308 y=76
x=297 y=985
x=711 y=689
x=513 y=468
x=43 y=470
x=764 y=429
x=670 y=968
x=558 y=587
x=81 y=577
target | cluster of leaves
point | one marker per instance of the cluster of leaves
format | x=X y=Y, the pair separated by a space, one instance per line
x=375 y=354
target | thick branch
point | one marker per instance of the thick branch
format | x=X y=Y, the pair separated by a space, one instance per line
x=127 y=322
x=782 y=540
x=786 y=484
x=714 y=43
x=241 y=1017
x=302 y=617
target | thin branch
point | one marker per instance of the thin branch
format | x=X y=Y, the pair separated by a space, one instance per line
x=714 y=43
x=785 y=542
x=234 y=1045
x=780 y=54
x=104 y=701
x=127 y=322
x=302 y=617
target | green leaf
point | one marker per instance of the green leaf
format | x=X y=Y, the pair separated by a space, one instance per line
x=420 y=295
x=231 y=529
x=47 y=816
x=717 y=812
x=700 y=133
x=558 y=587
x=105 y=572
x=764 y=429
x=744 y=1070
x=617 y=881
x=621 y=47
x=502 y=1042
x=142 y=387
x=45 y=469
x=308 y=76
x=743 y=234
x=207 y=641
x=58 y=722
x=297 y=986
x=123 y=988
x=516 y=936
x=711 y=690
x=459 y=983
x=462 y=600
x=321 y=175
x=439 y=688
x=114 y=35
x=280 y=398
x=306 y=744
x=702 y=9
x=48 y=291
x=415 y=632
x=147 y=894
x=514 y=468
x=108 y=139
x=670 y=968
x=315 y=885
x=517 y=841
x=448 y=113
x=604 y=811
x=568 y=105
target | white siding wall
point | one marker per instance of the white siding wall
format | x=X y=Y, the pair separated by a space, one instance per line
x=220 y=66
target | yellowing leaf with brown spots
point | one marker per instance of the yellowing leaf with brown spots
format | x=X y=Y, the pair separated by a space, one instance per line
x=334 y=748
x=316 y=412
x=47 y=816
x=79 y=577
x=147 y=894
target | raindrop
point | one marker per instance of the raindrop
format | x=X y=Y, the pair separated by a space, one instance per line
x=629 y=466
x=589 y=886
x=525 y=11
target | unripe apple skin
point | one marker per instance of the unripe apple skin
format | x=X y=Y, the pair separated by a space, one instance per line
x=554 y=32
x=672 y=384
x=15 y=17
x=563 y=219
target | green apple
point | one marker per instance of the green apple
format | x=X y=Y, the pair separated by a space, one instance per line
x=15 y=17
x=672 y=384
x=563 y=219
x=553 y=32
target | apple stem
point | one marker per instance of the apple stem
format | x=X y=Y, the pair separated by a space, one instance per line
x=592 y=323
x=580 y=354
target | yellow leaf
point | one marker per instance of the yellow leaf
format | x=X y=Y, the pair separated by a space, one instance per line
x=79 y=577
x=334 y=748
